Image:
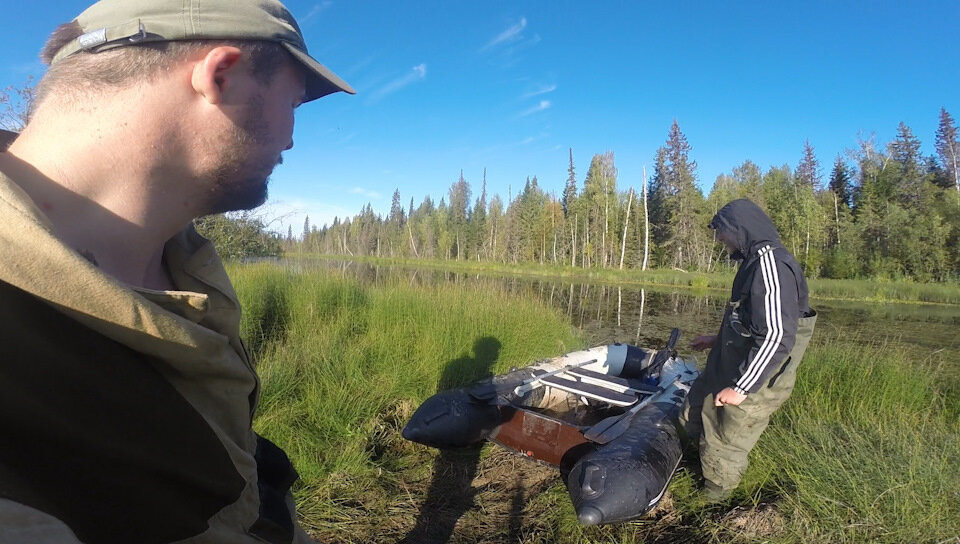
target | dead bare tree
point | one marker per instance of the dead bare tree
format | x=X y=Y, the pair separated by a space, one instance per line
x=15 y=103
x=626 y=221
x=646 y=222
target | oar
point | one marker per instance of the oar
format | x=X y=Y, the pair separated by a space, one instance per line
x=614 y=426
x=533 y=383
x=489 y=390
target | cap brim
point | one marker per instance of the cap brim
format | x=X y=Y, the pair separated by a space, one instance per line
x=320 y=80
x=6 y=138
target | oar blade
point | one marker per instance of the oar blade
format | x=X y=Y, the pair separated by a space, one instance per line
x=608 y=429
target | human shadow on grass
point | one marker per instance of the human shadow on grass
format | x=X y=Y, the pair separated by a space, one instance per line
x=451 y=493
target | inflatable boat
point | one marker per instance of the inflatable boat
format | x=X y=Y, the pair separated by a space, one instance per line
x=605 y=416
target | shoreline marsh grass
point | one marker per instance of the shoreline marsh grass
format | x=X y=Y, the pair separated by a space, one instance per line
x=353 y=363
x=866 y=290
x=865 y=450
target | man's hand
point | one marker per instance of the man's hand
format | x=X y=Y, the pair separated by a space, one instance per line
x=703 y=342
x=728 y=396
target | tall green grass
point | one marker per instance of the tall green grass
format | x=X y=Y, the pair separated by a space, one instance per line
x=866 y=450
x=886 y=291
x=351 y=363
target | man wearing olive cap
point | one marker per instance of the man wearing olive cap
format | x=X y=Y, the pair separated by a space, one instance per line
x=126 y=395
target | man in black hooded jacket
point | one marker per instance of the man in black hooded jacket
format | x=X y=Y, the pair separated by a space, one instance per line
x=751 y=368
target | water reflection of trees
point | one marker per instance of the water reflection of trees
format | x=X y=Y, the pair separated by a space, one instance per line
x=644 y=316
x=605 y=313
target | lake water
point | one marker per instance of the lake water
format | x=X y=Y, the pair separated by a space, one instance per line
x=645 y=316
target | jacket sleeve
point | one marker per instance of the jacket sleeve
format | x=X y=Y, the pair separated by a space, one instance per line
x=774 y=311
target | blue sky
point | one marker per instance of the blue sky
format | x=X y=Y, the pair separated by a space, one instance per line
x=445 y=86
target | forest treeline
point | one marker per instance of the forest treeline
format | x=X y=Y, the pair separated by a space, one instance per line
x=882 y=211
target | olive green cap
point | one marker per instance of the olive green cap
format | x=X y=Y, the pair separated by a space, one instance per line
x=116 y=23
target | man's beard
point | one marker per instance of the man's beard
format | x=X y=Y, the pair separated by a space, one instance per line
x=240 y=181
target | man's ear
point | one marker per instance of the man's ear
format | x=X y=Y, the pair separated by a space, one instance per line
x=215 y=72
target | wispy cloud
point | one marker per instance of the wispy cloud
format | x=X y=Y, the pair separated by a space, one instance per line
x=359 y=66
x=417 y=73
x=516 y=47
x=543 y=105
x=364 y=192
x=542 y=90
x=507 y=145
x=316 y=10
x=532 y=139
x=514 y=32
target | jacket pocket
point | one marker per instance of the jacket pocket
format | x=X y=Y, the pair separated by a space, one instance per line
x=783 y=369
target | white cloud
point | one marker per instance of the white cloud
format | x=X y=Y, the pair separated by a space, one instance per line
x=543 y=105
x=510 y=34
x=542 y=90
x=417 y=73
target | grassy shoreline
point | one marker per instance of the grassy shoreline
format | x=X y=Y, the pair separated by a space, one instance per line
x=865 y=450
x=866 y=290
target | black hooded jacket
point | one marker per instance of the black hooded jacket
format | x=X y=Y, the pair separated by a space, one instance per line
x=768 y=297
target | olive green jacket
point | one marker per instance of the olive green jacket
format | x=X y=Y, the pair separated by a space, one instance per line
x=127 y=412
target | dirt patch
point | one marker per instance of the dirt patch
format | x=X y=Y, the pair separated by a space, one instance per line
x=477 y=495
x=486 y=494
x=511 y=499
x=764 y=521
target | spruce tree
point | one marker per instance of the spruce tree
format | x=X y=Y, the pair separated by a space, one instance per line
x=905 y=152
x=808 y=171
x=657 y=205
x=840 y=182
x=396 y=211
x=685 y=202
x=570 y=190
x=478 y=219
x=948 y=148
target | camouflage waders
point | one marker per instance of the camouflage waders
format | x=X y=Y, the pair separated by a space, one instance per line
x=727 y=434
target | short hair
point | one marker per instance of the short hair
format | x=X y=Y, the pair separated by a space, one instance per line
x=85 y=71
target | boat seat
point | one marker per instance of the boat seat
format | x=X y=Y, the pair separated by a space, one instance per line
x=576 y=385
x=616 y=383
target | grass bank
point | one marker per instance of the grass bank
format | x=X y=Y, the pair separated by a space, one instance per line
x=866 y=450
x=865 y=290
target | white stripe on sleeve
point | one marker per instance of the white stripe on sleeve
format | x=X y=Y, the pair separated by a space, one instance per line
x=771 y=299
